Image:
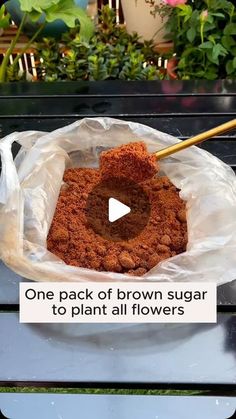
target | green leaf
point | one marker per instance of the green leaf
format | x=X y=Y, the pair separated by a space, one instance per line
x=4 y=23
x=227 y=41
x=215 y=52
x=2 y=11
x=182 y=63
x=209 y=27
x=206 y=45
x=38 y=5
x=234 y=63
x=4 y=18
x=34 y=16
x=97 y=68
x=211 y=58
x=230 y=29
x=210 y=18
x=200 y=73
x=191 y=34
x=212 y=39
x=188 y=51
x=194 y=17
x=209 y=75
x=67 y=11
x=185 y=10
x=186 y=18
x=218 y=15
x=218 y=50
x=229 y=67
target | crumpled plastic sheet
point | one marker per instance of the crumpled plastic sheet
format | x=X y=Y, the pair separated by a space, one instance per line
x=30 y=185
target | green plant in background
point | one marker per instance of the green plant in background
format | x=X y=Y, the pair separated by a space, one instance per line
x=204 y=37
x=4 y=18
x=110 y=54
x=52 y=10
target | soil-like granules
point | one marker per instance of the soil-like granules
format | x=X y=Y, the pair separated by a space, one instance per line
x=73 y=240
x=131 y=161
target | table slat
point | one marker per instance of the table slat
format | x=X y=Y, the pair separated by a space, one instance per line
x=177 y=126
x=114 y=106
x=56 y=406
x=121 y=88
x=150 y=355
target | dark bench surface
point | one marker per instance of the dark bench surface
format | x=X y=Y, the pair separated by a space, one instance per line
x=119 y=355
x=158 y=355
x=54 y=406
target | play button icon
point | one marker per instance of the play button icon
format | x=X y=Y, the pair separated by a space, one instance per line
x=116 y=210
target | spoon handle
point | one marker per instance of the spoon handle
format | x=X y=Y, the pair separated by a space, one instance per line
x=165 y=152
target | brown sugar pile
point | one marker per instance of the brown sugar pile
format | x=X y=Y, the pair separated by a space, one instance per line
x=131 y=161
x=76 y=243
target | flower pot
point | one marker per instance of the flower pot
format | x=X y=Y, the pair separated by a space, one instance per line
x=54 y=29
x=171 y=68
x=138 y=18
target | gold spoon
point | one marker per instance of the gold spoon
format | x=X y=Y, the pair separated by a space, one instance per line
x=146 y=167
x=165 y=152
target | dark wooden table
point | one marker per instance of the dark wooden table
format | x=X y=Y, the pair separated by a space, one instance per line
x=120 y=356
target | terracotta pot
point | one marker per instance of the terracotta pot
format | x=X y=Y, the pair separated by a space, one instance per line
x=171 y=68
x=139 y=19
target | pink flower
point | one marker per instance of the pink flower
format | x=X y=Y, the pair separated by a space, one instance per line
x=175 y=3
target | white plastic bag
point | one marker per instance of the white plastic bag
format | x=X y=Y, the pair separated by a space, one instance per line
x=30 y=185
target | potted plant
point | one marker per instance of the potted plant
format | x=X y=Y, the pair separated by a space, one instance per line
x=34 y=10
x=204 y=38
x=55 y=28
x=139 y=18
x=110 y=54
